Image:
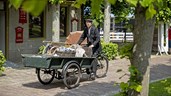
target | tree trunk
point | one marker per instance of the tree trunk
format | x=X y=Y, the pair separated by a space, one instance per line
x=56 y=23
x=107 y=12
x=143 y=37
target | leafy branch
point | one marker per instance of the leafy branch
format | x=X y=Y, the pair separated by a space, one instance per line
x=2 y=61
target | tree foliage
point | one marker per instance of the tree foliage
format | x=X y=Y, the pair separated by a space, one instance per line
x=2 y=61
x=164 y=13
x=161 y=8
x=30 y=5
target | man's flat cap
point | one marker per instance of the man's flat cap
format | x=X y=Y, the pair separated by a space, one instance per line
x=88 y=20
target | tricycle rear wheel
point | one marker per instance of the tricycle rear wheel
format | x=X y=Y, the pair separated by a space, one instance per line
x=72 y=74
x=45 y=76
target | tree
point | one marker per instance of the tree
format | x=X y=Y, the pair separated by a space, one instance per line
x=107 y=12
x=143 y=37
x=145 y=18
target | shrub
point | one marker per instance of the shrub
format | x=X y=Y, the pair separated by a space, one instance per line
x=2 y=61
x=109 y=49
x=41 y=49
x=126 y=51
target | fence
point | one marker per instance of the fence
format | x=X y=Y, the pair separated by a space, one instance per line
x=119 y=36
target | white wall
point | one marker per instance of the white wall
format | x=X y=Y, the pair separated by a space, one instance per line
x=29 y=46
x=161 y=40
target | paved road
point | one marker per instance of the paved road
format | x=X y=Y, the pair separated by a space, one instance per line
x=23 y=82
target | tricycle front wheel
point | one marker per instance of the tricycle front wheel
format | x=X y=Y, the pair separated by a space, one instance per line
x=45 y=76
x=72 y=74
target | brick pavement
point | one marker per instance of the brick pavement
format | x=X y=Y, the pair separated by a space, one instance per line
x=23 y=82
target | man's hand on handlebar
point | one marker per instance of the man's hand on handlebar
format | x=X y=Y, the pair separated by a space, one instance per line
x=91 y=46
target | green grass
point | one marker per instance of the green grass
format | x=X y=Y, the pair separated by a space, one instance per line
x=159 y=88
x=117 y=94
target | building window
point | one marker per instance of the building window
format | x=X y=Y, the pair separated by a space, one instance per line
x=36 y=26
x=63 y=20
x=112 y=25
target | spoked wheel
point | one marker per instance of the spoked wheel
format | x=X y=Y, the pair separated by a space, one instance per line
x=72 y=74
x=45 y=76
x=102 y=66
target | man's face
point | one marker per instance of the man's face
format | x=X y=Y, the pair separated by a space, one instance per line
x=88 y=24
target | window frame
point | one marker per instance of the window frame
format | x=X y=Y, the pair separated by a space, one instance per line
x=43 y=29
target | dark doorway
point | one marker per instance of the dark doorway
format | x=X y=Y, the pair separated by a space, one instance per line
x=63 y=20
x=2 y=27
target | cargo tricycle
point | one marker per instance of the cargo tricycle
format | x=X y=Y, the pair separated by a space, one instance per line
x=65 y=66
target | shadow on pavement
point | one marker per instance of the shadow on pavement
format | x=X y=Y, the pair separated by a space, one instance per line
x=87 y=89
x=52 y=85
x=2 y=75
x=92 y=89
x=160 y=71
x=13 y=65
x=56 y=83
